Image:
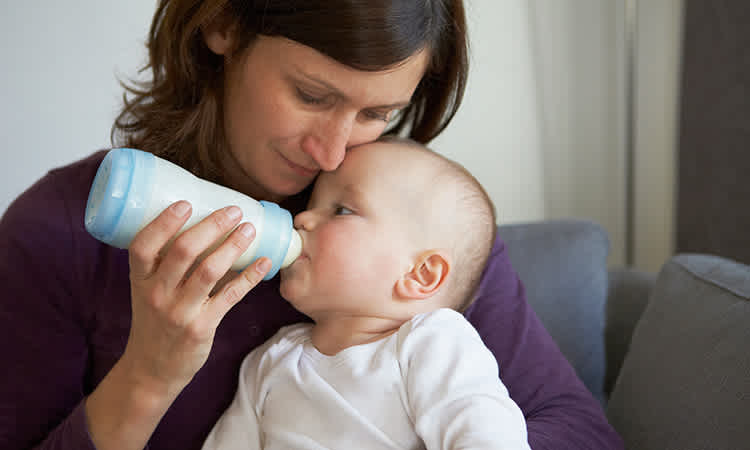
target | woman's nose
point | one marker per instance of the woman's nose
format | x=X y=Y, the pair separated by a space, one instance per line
x=328 y=143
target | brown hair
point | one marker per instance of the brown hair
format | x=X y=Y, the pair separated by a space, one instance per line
x=176 y=114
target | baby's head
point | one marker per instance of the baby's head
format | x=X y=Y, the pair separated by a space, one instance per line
x=396 y=230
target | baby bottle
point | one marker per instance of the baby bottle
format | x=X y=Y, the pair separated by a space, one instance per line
x=132 y=187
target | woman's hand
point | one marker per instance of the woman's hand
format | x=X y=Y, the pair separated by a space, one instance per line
x=174 y=319
x=174 y=315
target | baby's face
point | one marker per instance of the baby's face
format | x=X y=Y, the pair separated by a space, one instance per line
x=354 y=235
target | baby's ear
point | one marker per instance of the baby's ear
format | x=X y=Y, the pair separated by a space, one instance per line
x=425 y=277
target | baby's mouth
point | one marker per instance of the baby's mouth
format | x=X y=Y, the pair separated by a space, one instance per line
x=299 y=258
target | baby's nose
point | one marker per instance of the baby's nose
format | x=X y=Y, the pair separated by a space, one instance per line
x=304 y=220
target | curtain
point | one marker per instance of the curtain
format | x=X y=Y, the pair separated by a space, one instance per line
x=713 y=167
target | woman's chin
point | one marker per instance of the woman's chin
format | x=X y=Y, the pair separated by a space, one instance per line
x=285 y=187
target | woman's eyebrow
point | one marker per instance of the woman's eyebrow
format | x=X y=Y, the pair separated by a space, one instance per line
x=336 y=91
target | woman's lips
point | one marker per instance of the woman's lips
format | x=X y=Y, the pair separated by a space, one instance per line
x=301 y=170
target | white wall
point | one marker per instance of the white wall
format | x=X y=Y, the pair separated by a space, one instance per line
x=542 y=125
x=497 y=133
x=58 y=80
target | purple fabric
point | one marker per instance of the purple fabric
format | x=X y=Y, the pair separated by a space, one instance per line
x=65 y=317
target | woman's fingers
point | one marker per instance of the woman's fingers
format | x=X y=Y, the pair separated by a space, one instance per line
x=144 y=249
x=196 y=241
x=213 y=267
x=173 y=317
x=221 y=302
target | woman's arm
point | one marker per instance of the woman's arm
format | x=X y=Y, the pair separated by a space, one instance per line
x=560 y=412
x=46 y=316
x=42 y=325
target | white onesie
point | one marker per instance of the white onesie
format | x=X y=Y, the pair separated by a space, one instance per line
x=433 y=385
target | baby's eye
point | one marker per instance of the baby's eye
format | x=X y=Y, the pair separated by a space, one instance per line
x=342 y=211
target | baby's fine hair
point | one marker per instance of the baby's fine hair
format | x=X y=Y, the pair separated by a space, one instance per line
x=474 y=224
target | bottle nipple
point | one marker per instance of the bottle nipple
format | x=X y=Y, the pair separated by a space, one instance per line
x=295 y=248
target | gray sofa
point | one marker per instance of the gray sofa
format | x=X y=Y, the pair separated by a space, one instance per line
x=667 y=354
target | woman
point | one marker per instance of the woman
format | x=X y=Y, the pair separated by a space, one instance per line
x=111 y=349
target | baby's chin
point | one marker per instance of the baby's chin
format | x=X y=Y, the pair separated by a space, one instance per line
x=286 y=273
x=294 y=297
x=286 y=287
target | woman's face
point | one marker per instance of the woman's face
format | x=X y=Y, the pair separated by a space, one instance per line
x=290 y=112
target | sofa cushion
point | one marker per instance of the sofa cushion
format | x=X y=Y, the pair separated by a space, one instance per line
x=685 y=382
x=563 y=266
x=628 y=292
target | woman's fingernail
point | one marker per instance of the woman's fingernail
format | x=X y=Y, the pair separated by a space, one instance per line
x=181 y=208
x=247 y=230
x=234 y=212
x=263 y=266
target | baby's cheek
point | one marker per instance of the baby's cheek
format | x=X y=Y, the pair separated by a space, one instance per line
x=333 y=244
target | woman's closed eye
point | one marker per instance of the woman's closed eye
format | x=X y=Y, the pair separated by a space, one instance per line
x=378 y=115
x=310 y=99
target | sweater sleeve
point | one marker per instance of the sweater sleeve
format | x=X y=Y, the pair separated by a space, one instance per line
x=42 y=338
x=561 y=414
x=454 y=394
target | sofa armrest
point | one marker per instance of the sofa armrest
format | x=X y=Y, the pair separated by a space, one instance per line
x=563 y=266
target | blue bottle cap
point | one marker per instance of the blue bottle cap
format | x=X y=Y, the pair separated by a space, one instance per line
x=276 y=235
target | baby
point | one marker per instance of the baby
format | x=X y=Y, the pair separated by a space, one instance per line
x=394 y=244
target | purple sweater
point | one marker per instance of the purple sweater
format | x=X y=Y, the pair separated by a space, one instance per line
x=65 y=318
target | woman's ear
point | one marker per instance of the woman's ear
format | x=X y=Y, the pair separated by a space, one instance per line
x=219 y=35
x=425 y=278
